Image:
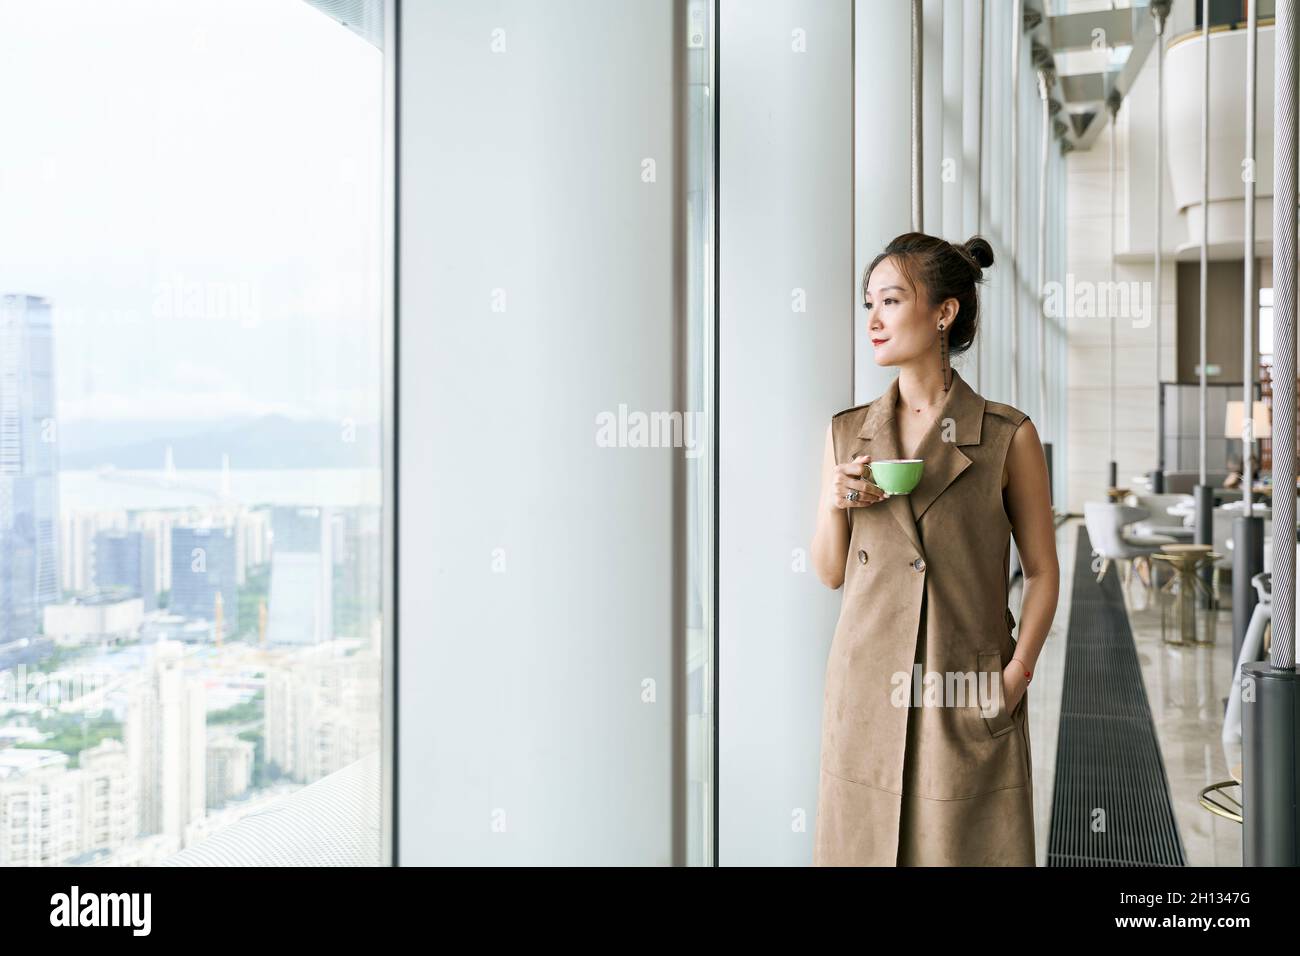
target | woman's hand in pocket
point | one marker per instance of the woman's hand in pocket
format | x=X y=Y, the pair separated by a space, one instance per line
x=1014 y=685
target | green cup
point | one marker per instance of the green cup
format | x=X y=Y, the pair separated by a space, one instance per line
x=897 y=476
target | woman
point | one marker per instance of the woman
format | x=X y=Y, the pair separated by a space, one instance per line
x=925 y=736
x=1235 y=473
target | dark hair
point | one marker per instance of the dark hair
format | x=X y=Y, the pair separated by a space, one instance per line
x=942 y=270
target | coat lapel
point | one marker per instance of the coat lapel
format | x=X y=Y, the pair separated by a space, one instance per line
x=959 y=423
x=882 y=442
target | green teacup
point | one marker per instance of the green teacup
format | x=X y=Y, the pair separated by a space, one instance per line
x=897 y=476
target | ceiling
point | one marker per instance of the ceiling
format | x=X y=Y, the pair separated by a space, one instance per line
x=1093 y=54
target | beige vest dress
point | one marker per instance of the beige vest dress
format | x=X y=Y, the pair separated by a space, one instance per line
x=904 y=782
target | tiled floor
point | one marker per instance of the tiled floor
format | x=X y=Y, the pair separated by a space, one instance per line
x=1186 y=687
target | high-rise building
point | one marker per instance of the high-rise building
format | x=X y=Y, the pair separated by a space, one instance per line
x=255 y=540
x=52 y=815
x=230 y=769
x=77 y=545
x=108 y=815
x=40 y=808
x=322 y=711
x=301 y=601
x=204 y=564
x=124 y=559
x=159 y=524
x=166 y=745
x=29 y=506
x=357 y=563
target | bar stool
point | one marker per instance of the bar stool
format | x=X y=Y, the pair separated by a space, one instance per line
x=1223 y=799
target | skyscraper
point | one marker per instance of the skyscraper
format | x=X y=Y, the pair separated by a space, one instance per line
x=125 y=559
x=302 y=576
x=204 y=565
x=29 y=506
x=166 y=744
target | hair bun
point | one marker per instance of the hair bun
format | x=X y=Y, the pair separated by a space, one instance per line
x=978 y=248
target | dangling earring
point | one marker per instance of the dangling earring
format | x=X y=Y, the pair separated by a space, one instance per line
x=943 y=359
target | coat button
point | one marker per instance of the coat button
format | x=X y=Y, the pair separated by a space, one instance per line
x=862 y=557
x=919 y=564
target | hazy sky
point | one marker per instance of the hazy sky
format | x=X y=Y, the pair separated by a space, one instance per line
x=195 y=184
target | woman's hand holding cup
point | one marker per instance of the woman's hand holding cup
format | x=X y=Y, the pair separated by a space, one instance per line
x=851 y=477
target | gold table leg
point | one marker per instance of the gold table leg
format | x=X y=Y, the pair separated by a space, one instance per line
x=1187 y=617
x=1169 y=593
x=1212 y=601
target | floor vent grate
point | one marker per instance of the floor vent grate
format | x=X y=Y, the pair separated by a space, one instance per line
x=1110 y=802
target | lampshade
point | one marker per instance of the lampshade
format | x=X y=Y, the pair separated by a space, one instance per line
x=1263 y=426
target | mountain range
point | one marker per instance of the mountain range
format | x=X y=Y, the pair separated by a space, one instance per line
x=270 y=442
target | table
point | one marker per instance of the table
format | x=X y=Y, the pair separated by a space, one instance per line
x=1187 y=560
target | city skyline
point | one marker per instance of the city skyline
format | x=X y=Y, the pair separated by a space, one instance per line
x=217 y=310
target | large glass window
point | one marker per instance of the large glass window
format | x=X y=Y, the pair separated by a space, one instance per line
x=192 y=287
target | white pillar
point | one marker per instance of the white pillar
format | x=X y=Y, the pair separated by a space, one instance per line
x=1205 y=230
x=786 y=306
x=882 y=69
x=1285 y=147
x=1250 y=307
x=539 y=288
x=973 y=143
x=1014 y=187
x=950 y=170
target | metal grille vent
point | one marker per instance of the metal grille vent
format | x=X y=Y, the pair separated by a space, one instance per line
x=1110 y=802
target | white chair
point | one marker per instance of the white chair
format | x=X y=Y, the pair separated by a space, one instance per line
x=1106 y=522
x=1252 y=649
x=1161 y=521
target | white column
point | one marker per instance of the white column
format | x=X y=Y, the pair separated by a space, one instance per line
x=973 y=149
x=1205 y=235
x=1015 y=187
x=539 y=213
x=953 y=187
x=934 y=85
x=786 y=307
x=1286 y=144
x=881 y=117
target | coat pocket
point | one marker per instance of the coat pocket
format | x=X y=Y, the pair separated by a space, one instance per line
x=992 y=701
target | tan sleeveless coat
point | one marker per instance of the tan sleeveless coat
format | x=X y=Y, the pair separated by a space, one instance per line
x=906 y=778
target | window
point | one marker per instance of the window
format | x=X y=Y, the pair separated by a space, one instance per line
x=193 y=276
